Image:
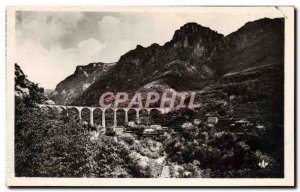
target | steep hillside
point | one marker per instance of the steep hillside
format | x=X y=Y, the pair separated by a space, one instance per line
x=74 y=85
x=257 y=43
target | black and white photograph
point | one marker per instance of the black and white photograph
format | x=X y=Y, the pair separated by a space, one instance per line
x=150 y=96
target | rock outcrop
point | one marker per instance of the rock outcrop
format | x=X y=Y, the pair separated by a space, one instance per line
x=25 y=90
x=74 y=85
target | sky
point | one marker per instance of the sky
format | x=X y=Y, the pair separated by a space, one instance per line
x=49 y=45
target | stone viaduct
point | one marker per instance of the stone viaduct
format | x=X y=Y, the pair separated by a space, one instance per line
x=91 y=110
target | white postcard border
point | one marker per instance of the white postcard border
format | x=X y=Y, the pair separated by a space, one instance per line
x=289 y=123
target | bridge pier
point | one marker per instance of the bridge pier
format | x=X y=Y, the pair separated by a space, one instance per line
x=126 y=116
x=115 y=117
x=91 y=117
x=103 y=118
x=138 y=115
x=79 y=114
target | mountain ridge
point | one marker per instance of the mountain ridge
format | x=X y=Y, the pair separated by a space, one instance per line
x=74 y=85
x=191 y=59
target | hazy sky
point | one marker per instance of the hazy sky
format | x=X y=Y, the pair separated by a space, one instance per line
x=49 y=45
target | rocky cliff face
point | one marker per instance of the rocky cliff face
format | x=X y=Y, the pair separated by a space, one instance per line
x=74 y=85
x=194 y=57
x=187 y=58
x=26 y=91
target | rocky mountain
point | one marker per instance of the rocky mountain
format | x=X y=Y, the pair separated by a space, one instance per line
x=191 y=60
x=184 y=63
x=74 y=85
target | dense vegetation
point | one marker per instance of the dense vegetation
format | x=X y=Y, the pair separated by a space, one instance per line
x=221 y=153
x=50 y=144
x=225 y=151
